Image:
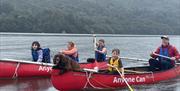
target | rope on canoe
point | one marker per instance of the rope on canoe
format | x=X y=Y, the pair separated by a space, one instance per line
x=86 y=79
x=106 y=86
x=152 y=75
x=88 y=76
x=15 y=75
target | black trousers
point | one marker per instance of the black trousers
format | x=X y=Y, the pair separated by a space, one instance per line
x=159 y=65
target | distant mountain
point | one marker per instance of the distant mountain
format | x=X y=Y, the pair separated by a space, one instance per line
x=91 y=16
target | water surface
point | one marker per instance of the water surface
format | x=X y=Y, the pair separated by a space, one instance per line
x=18 y=47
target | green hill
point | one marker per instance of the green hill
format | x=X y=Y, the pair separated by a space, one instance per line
x=91 y=16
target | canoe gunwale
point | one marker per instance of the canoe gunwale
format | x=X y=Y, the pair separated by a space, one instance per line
x=143 y=72
x=26 y=62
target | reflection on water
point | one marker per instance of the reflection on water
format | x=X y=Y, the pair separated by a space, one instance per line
x=26 y=84
x=18 y=47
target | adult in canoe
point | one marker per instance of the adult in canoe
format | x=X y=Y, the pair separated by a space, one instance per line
x=71 y=51
x=166 y=49
x=101 y=51
x=39 y=54
x=115 y=61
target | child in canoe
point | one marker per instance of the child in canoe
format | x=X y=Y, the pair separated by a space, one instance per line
x=115 y=61
x=101 y=51
x=39 y=54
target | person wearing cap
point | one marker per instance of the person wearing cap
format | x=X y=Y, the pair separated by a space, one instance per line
x=166 y=49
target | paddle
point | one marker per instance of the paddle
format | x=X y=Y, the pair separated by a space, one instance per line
x=131 y=58
x=164 y=57
x=143 y=60
x=130 y=88
x=139 y=72
x=94 y=41
x=27 y=62
x=90 y=70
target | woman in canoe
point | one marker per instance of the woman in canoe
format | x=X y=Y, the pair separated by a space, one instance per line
x=101 y=51
x=115 y=61
x=71 y=51
x=39 y=54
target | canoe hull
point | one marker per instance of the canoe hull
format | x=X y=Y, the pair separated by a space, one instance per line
x=77 y=80
x=15 y=68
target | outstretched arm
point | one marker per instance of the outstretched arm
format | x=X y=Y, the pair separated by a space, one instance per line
x=157 y=52
x=104 y=50
x=69 y=52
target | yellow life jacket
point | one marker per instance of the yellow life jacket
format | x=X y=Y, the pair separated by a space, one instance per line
x=113 y=63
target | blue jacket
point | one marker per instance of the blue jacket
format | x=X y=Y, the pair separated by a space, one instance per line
x=100 y=56
x=41 y=55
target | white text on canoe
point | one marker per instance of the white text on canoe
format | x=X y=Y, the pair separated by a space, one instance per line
x=130 y=79
x=45 y=68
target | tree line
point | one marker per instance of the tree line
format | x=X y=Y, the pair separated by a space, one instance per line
x=90 y=16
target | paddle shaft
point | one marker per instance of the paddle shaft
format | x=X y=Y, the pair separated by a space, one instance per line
x=137 y=59
x=27 y=62
x=131 y=58
x=143 y=60
x=134 y=71
x=162 y=56
x=94 y=41
x=130 y=88
x=90 y=70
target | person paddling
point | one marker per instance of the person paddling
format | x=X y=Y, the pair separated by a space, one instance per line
x=101 y=51
x=71 y=51
x=115 y=61
x=39 y=54
x=166 y=49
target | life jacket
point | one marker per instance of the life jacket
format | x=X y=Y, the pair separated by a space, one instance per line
x=35 y=54
x=74 y=56
x=113 y=63
x=46 y=55
x=164 y=52
x=100 y=56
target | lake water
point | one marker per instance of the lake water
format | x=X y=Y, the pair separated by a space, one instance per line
x=17 y=46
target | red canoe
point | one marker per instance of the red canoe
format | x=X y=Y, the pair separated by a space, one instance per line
x=79 y=80
x=10 y=68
